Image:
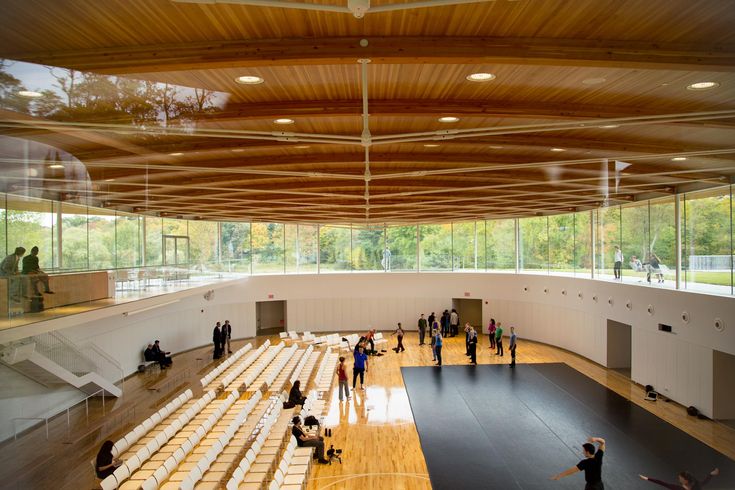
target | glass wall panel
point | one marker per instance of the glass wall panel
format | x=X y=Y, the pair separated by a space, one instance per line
x=534 y=245
x=101 y=229
x=334 y=248
x=3 y=225
x=608 y=235
x=75 y=240
x=128 y=243
x=31 y=222
x=435 y=247
x=635 y=237
x=178 y=227
x=582 y=244
x=153 y=241
x=236 y=247
x=301 y=248
x=369 y=250
x=706 y=241
x=468 y=246
x=268 y=251
x=561 y=244
x=662 y=237
x=401 y=241
x=500 y=245
x=203 y=245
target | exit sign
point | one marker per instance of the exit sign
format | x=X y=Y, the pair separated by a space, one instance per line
x=467 y=294
x=271 y=296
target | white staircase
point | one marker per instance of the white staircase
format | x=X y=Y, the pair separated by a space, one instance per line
x=52 y=359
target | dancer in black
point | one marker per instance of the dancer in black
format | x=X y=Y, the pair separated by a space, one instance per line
x=591 y=465
x=687 y=481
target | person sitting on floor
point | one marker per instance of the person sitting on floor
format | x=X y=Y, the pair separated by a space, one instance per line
x=294 y=396
x=302 y=440
x=106 y=463
x=161 y=356
x=148 y=353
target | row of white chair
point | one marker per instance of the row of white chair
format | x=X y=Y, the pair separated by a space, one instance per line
x=282 y=367
x=325 y=374
x=227 y=378
x=172 y=462
x=214 y=373
x=252 y=379
x=300 y=366
x=351 y=341
x=292 y=470
x=141 y=430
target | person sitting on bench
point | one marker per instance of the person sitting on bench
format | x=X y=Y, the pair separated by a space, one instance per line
x=294 y=396
x=161 y=356
x=302 y=440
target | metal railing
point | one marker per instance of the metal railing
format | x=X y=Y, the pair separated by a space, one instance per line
x=710 y=262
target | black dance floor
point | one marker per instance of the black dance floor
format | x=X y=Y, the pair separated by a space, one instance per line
x=490 y=426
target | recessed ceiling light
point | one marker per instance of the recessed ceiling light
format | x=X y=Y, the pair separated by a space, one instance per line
x=594 y=81
x=448 y=119
x=238 y=150
x=56 y=165
x=430 y=145
x=109 y=180
x=302 y=147
x=558 y=149
x=496 y=147
x=480 y=77
x=703 y=86
x=678 y=159
x=610 y=126
x=249 y=80
x=284 y=120
x=30 y=94
x=176 y=154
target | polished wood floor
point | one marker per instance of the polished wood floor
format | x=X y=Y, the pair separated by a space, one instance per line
x=374 y=429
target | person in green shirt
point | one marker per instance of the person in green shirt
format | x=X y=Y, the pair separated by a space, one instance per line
x=32 y=268
x=499 y=340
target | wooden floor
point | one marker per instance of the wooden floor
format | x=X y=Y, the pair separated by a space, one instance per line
x=374 y=429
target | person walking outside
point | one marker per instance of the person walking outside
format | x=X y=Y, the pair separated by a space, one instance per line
x=512 y=346
x=687 y=481
x=499 y=340
x=591 y=465
x=342 y=378
x=473 y=345
x=359 y=368
x=422 y=329
x=618 y=267
x=399 y=333
x=491 y=332
x=438 y=343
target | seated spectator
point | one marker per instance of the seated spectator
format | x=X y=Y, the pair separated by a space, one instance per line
x=148 y=353
x=32 y=268
x=636 y=265
x=9 y=269
x=161 y=356
x=302 y=440
x=295 y=397
x=106 y=464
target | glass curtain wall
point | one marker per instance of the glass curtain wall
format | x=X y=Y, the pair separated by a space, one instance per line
x=235 y=247
x=435 y=247
x=561 y=244
x=268 y=248
x=335 y=249
x=402 y=243
x=468 y=246
x=582 y=244
x=369 y=250
x=534 y=245
x=500 y=245
x=302 y=242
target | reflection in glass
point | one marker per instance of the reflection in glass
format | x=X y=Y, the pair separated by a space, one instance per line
x=75 y=246
x=101 y=226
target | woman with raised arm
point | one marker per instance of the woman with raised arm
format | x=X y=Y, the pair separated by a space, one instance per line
x=686 y=481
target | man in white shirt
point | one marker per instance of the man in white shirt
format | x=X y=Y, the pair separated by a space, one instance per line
x=618 y=262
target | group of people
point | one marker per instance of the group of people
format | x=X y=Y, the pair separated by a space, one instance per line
x=15 y=267
x=221 y=336
x=652 y=266
x=591 y=465
x=154 y=353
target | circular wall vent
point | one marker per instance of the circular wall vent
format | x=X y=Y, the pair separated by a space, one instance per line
x=629 y=305
x=719 y=325
x=685 y=316
x=650 y=309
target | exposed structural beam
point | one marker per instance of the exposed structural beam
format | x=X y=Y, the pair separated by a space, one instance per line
x=343 y=50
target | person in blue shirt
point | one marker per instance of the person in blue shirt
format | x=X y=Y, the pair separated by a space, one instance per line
x=360 y=367
x=438 y=343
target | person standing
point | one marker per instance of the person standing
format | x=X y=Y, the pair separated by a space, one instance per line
x=422 y=329
x=32 y=268
x=499 y=340
x=473 y=345
x=454 y=323
x=438 y=344
x=491 y=332
x=9 y=269
x=399 y=333
x=342 y=379
x=432 y=319
x=618 y=267
x=217 y=341
x=467 y=328
x=226 y=336
x=591 y=465
x=386 y=259
x=434 y=330
x=687 y=481
x=359 y=368
x=512 y=346
x=445 y=323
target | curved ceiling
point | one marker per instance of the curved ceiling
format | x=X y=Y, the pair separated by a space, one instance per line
x=591 y=104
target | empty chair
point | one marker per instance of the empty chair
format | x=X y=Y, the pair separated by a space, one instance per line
x=134 y=461
x=170 y=465
x=109 y=483
x=160 y=475
x=121 y=473
x=150 y=484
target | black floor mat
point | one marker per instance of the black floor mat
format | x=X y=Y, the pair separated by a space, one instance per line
x=490 y=426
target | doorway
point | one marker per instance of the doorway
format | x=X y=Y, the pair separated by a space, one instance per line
x=469 y=310
x=618 y=347
x=270 y=317
x=723 y=372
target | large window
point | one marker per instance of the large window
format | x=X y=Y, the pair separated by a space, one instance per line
x=203 y=244
x=369 y=250
x=501 y=245
x=534 y=245
x=75 y=244
x=608 y=236
x=435 y=247
x=582 y=244
x=31 y=222
x=468 y=245
x=401 y=241
x=301 y=248
x=707 y=241
x=268 y=252
x=635 y=239
x=128 y=240
x=561 y=244
x=235 y=247
x=101 y=228
x=334 y=248
x=662 y=238
x=153 y=241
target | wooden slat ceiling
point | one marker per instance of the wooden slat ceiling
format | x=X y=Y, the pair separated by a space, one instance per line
x=600 y=80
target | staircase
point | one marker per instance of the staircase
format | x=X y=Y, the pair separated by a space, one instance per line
x=52 y=359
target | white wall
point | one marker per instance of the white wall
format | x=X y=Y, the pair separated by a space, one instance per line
x=678 y=364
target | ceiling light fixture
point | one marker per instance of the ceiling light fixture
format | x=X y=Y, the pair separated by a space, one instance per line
x=430 y=145
x=496 y=147
x=480 y=77
x=176 y=154
x=594 y=81
x=284 y=120
x=109 y=180
x=249 y=80
x=238 y=150
x=703 y=86
x=678 y=159
x=557 y=149
x=609 y=126
x=448 y=119
x=56 y=165
x=302 y=147
x=30 y=94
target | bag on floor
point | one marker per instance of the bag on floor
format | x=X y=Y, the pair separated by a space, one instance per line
x=311 y=421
